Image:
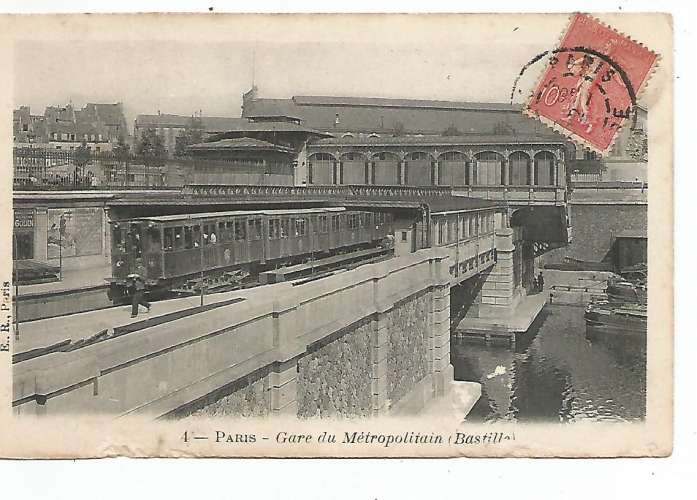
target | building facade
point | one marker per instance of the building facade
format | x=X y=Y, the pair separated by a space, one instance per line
x=100 y=126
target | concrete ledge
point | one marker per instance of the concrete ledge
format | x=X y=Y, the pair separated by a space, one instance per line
x=517 y=322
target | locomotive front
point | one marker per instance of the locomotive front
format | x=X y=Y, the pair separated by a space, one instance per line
x=126 y=257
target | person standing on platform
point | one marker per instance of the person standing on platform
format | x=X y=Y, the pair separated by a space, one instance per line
x=137 y=294
x=541 y=281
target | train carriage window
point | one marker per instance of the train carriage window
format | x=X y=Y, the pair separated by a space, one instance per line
x=188 y=238
x=285 y=225
x=222 y=232
x=119 y=244
x=240 y=230
x=254 y=229
x=473 y=228
x=323 y=228
x=274 y=229
x=154 y=240
x=197 y=235
x=300 y=227
x=169 y=239
x=178 y=238
x=206 y=234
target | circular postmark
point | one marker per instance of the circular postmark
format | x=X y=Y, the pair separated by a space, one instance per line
x=587 y=87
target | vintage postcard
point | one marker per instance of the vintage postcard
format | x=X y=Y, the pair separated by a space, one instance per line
x=337 y=235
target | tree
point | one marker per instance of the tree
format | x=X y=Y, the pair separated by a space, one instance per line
x=451 y=131
x=81 y=158
x=193 y=134
x=122 y=154
x=151 y=151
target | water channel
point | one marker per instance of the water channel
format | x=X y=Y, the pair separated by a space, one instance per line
x=555 y=373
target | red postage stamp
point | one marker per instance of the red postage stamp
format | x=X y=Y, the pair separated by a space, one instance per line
x=590 y=85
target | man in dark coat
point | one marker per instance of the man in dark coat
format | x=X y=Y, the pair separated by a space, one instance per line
x=540 y=281
x=137 y=286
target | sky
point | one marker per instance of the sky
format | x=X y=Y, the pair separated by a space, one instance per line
x=466 y=59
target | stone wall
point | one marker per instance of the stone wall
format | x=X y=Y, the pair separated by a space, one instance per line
x=250 y=398
x=334 y=378
x=407 y=359
x=593 y=230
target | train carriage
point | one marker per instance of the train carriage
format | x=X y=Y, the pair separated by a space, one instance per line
x=171 y=250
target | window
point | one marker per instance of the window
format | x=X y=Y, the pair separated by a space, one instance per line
x=254 y=229
x=240 y=230
x=404 y=236
x=222 y=232
x=285 y=228
x=323 y=224
x=169 y=239
x=300 y=227
x=178 y=238
x=335 y=223
x=274 y=229
x=155 y=243
x=188 y=238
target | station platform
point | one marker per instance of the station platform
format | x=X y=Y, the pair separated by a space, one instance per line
x=74 y=327
x=80 y=290
x=73 y=279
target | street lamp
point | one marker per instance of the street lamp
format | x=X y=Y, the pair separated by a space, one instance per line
x=61 y=231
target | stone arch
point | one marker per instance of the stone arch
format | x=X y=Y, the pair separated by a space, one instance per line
x=452 y=168
x=384 y=168
x=488 y=168
x=544 y=167
x=519 y=168
x=352 y=167
x=322 y=168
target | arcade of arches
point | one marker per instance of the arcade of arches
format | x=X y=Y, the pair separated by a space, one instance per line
x=544 y=167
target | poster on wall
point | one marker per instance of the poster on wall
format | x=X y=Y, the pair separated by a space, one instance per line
x=74 y=232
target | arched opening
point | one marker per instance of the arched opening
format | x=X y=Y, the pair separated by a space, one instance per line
x=544 y=169
x=384 y=170
x=418 y=166
x=453 y=168
x=352 y=168
x=321 y=169
x=518 y=163
x=488 y=169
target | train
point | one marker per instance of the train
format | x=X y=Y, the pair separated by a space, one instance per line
x=173 y=253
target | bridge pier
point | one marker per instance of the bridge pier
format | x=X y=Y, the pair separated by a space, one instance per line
x=501 y=307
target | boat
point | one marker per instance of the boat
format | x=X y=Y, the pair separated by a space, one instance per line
x=622 y=308
x=608 y=316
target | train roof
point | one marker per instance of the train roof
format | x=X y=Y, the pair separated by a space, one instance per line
x=238 y=213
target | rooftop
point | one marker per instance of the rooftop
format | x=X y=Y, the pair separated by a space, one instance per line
x=383 y=116
x=239 y=144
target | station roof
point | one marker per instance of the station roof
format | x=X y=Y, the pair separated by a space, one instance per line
x=239 y=144
x=382 y=115
x=240 y=213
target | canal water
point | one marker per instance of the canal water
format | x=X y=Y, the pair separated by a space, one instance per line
x=555 y=373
